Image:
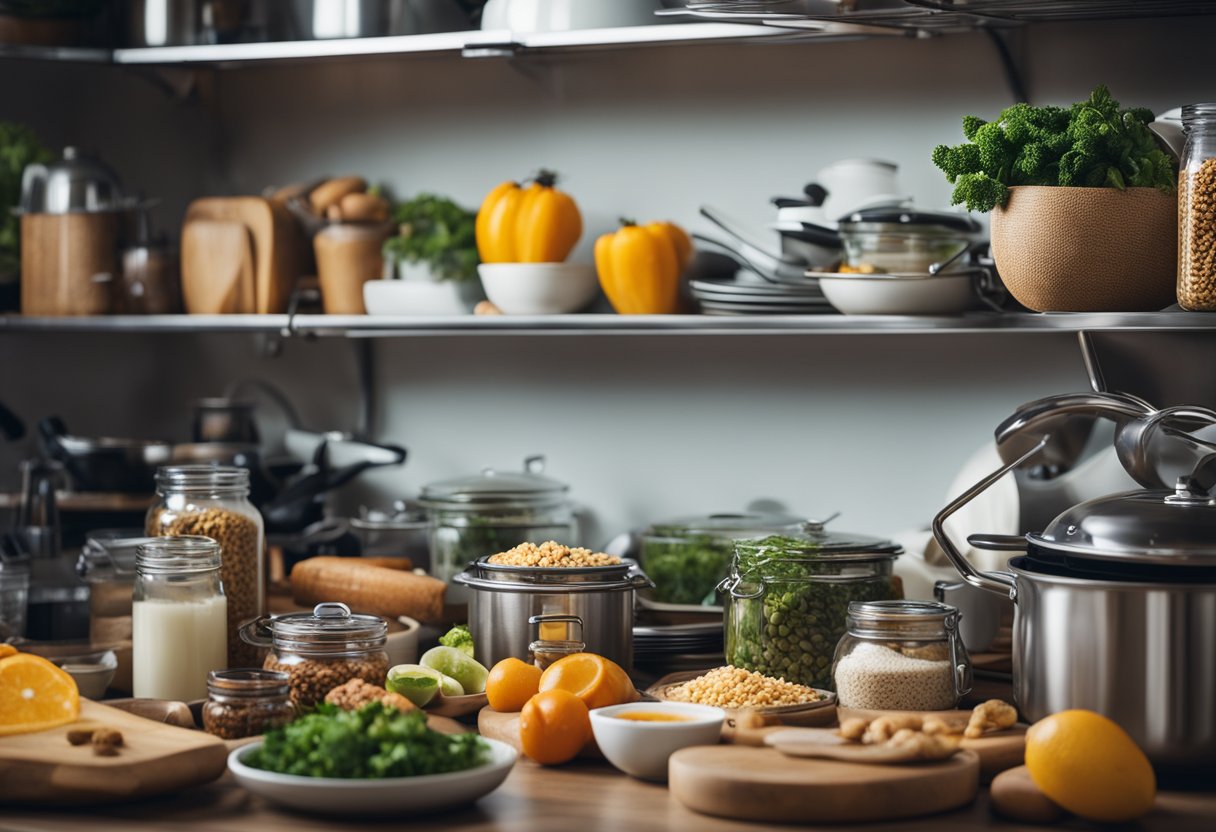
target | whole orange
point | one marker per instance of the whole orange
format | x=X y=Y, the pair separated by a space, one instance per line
x=511 y=684
x=554 y=727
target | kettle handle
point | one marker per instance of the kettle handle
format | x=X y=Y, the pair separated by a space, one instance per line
x=1000 y=583
x=34 y=176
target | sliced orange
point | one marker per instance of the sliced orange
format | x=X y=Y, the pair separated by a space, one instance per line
x=35 y=695
x=554 y=727
x=7 y=650
x=511 y=684
x=597 y=681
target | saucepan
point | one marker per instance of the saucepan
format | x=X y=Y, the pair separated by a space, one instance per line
x=105 y=463
x=1115 y=601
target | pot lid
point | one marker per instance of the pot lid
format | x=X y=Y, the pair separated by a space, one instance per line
x=910 y=217
x=1160 y=528
x=494 y=487
x=77 y=182
x=726 y=525
x=813 y=541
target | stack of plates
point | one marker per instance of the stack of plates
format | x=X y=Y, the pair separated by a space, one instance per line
x=751 y=297
x=655 y=642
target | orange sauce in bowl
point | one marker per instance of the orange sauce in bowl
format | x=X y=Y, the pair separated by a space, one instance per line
x=652 y=716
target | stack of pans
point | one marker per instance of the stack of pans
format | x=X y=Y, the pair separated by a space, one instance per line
x=749 y=297
x=678 y=642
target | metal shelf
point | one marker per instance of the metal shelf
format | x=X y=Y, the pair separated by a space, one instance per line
x=66 y=54
x=363 y=326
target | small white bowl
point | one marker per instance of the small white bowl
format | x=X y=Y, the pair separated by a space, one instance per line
x=863 y=294
x=93 y=672
x=413 y=297
x=642 y=748
x=539 y=288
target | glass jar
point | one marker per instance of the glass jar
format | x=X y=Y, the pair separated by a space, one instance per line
x=14 y=599
x=788 y=599
x=213 y=500
x=494 y=511
x=557 y=636
x=179 y=618
x=901 y=656
x=687 y=558
x=246 y=703
x=1197 y=210
x=402 y=532
x=322 y=649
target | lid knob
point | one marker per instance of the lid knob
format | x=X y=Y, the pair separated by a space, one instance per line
x=331 y=609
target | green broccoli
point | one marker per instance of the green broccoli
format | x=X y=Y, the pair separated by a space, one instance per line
x=460 y=638
x=1091 y=144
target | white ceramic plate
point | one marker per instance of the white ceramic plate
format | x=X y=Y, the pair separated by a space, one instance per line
x=334 y=796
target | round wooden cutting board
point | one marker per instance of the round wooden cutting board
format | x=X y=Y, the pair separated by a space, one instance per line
x=761 y=784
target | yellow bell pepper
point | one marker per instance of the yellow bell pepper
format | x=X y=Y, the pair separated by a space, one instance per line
x=639 y=267
x=533 y=224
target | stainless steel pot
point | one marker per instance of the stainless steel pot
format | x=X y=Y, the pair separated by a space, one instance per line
x=504 y=598
x=1115 y=601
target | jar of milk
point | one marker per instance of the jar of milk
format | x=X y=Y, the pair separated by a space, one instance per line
x=179 y=618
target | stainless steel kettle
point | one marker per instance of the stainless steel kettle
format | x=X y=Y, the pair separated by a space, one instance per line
x=77 y=183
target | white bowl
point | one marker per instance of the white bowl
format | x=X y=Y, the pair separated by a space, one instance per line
x=864 y=294
x=331 y=795
x=523 y=16
x=539 y=288
x=642 y=748
x=92 y=672
x=410 y=297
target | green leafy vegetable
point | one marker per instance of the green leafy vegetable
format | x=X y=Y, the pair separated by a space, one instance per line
x=18 y=147
x=436 y=231
x=459 y=637
x=687 y=570
x=373 y=742
x=1092 y=144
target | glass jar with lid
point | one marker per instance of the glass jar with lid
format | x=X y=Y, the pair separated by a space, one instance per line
x=213 y=500
x=787 y=599
x=491 y=512
x=1196 y=221
x=247 y=702
x=901 y=656
x=687 y=558
x=179 y=618
x=322 y=649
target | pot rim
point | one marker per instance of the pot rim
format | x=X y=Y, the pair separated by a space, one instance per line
x=1017 y=567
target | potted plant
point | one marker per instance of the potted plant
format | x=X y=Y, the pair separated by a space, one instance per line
x=433 y=259
x=1084 y=215
x=18 y=147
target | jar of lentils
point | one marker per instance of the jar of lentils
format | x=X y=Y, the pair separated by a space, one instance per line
x=213 y=501
x=246 y=703
x=901 y=656
x=1197 y=210
x=787 y=599
x=322 y=649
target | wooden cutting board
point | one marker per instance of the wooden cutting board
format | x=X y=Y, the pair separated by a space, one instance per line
x=504 y=726
x=218 y=269
x=43 y=768
x=761 y=784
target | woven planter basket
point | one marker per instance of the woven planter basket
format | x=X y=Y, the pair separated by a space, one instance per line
x=1087 y=249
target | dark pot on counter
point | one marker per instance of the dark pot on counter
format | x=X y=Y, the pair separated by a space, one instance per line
x=105 y=463
x=1115 y=605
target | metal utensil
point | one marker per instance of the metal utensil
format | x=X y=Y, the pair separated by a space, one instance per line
x=1141 y=450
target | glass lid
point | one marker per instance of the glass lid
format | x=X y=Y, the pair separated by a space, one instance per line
x=726 y=525
x=813 y=541
x=326 y=624
x=1161 y=528
x=494 y=487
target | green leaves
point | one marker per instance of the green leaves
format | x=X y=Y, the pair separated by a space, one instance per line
x=435 y=230
x=18 y=148
x=1090 y=144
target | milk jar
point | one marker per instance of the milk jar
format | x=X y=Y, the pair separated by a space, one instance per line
x=179 y=618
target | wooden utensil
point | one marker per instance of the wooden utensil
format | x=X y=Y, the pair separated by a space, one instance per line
x=218 y=272
x=761 y=784
x=68 y=263
x=43 y=768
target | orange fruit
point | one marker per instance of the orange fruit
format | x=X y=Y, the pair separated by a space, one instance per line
x=35 y=695
x=597 y=681
x=1090 y=766
x=7 y=650
x=511 y=684
x=554 y=727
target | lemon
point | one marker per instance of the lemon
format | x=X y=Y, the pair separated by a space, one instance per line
x=1090 y=766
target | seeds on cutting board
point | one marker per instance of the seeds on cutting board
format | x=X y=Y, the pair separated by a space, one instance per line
x=552 y=554
x=734 y=687
x=875 y=677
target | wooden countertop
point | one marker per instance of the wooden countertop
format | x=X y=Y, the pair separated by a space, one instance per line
x=590 y=796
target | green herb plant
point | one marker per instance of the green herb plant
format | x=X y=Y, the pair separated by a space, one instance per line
x=373 y=742
x=1092 y=144
x=18 y=147
x=436 y=231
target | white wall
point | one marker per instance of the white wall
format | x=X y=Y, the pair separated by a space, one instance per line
x=642 y=428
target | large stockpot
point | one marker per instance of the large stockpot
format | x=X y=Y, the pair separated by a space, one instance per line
x=504 y=598
x=1115 y=608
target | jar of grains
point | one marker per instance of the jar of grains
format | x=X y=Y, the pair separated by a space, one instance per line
x=787 y=599
x=322 y=649
x=1197 y=210
x=213 y=501
x=901 y=656
x=246 y=703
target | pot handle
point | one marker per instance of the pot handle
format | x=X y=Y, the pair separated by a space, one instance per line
x=998 y=542
x=1000 y=583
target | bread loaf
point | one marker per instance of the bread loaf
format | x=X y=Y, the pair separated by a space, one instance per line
x=367 y=588
x=331 y=192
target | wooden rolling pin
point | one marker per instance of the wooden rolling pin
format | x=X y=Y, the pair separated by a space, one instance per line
x=367 y=588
